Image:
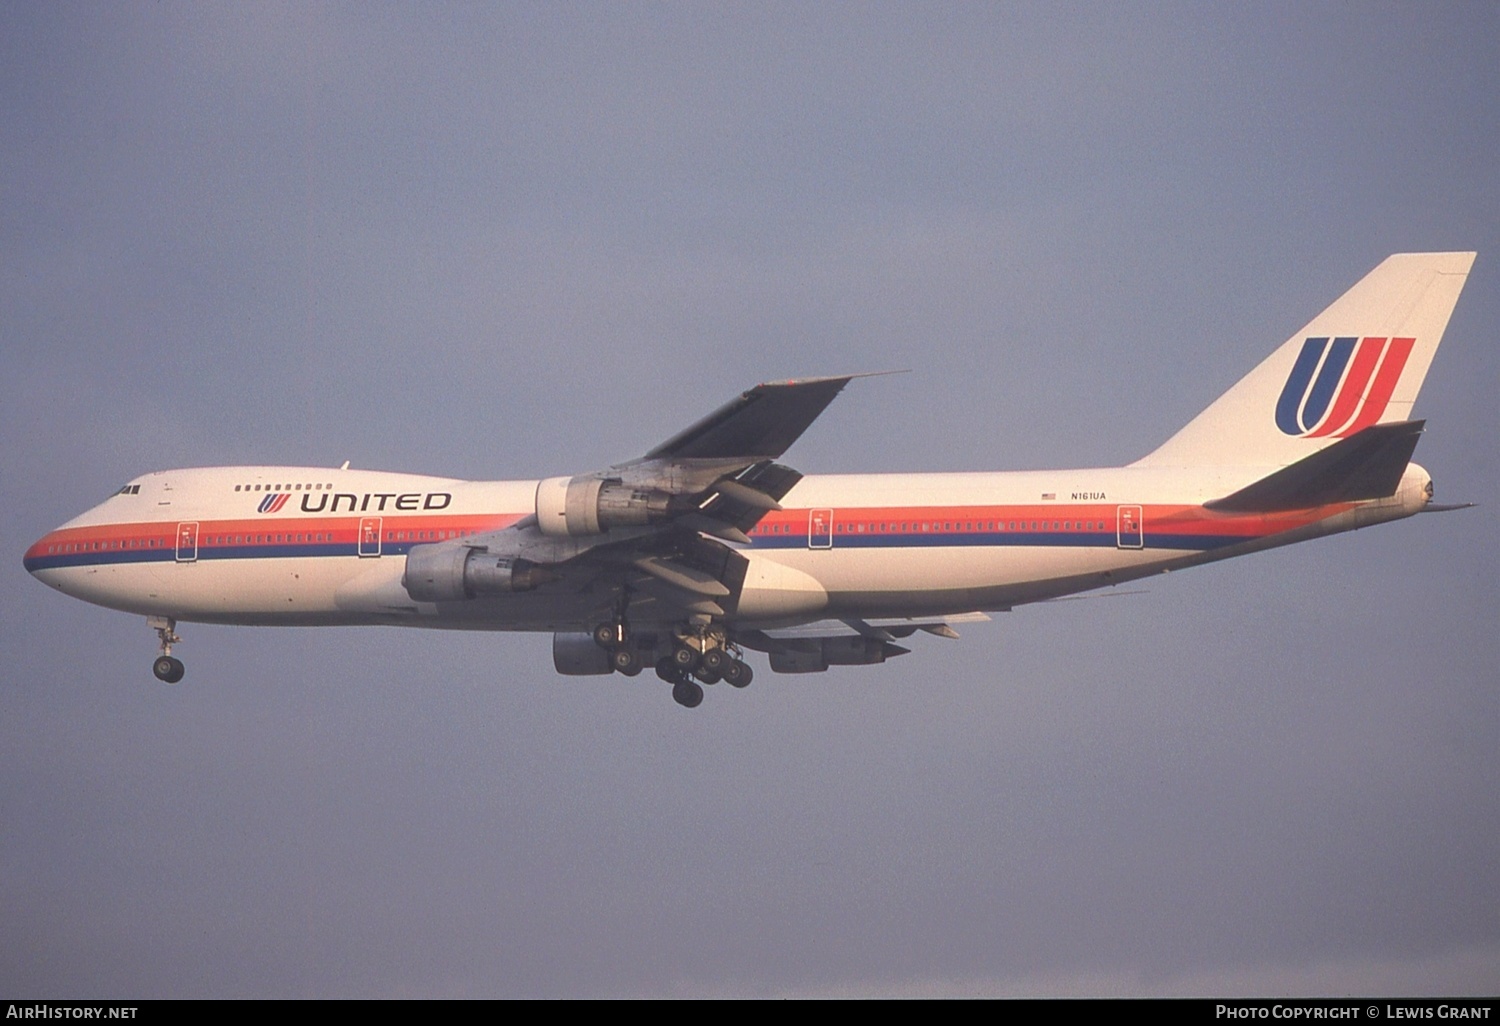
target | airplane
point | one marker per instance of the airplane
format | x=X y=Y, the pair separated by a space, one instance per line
x=708 y=546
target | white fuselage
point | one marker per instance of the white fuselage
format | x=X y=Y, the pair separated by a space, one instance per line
x=299 y=545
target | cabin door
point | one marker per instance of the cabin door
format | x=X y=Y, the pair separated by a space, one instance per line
x=1130 y=533
x=187 y=542
x=369 y=536
x=820 y=529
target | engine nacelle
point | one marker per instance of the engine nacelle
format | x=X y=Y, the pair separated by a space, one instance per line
x=578 y=655
x=817 y=655
x=574 y=506
x=453 y=573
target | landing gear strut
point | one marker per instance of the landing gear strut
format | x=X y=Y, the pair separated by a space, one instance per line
x=610 y=634
x=167 y=668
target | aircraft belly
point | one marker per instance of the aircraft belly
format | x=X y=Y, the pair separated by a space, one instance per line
x=265 y=591
x=945 y=568
x=785 y=586
x=776 y=589
x=897 y=582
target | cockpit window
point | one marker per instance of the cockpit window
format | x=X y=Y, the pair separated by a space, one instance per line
x=133 y=489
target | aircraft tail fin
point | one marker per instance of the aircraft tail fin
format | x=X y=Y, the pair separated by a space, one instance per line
x=1359 y=363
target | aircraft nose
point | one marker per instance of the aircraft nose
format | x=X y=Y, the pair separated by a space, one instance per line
x=43 y=555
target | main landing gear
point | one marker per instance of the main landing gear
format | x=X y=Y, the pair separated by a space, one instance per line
x=685 y=691
x=687 y=669
x=687 y=659
x=167 y=668
x=614 y=638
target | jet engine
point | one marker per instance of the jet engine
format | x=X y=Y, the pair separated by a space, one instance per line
x=452 y=573
x=578 y=654
x=814 y=655
x=573 y=506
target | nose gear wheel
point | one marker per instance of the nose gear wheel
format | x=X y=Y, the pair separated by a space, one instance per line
x=167 y=668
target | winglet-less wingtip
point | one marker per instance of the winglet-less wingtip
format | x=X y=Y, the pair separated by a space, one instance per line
x=759 y=424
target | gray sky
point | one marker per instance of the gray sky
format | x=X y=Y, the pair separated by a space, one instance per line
x=537 y=239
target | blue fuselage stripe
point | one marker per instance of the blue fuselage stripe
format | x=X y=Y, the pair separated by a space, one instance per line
x=933 y=540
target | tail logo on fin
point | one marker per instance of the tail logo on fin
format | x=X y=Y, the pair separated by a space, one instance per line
x=1320 y=399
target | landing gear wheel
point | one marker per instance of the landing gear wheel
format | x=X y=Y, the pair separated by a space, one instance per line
x=714 y=660
x=685 y=659
x=686 y=693
x=738 y=674
x=708 y=676
x=168 y=669
x=626 y=661
x=667 y=670
x=608 y=635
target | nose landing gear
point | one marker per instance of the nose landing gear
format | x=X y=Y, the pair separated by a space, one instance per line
x=167 y=668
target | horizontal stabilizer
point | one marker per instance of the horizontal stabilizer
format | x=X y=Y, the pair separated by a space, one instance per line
x=1112 y=593
x=1367 y=465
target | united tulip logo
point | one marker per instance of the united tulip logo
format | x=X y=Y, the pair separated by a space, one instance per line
x=273 y=502
x=1340 y=385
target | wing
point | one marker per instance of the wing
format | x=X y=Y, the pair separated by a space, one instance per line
x=648 y=533
x=760 y=424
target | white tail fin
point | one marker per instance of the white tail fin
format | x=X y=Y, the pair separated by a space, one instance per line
x=1358 y=363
